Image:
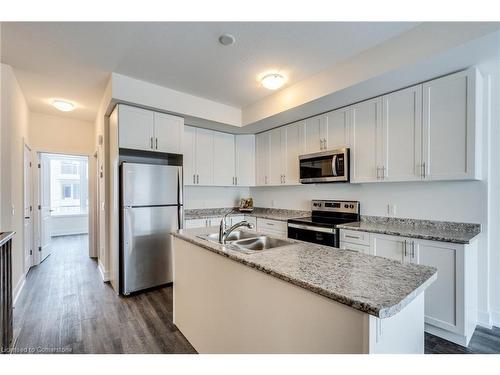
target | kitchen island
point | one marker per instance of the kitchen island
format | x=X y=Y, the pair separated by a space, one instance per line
x=296 y=298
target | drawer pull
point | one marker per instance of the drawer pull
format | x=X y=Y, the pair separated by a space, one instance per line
x=349 y=236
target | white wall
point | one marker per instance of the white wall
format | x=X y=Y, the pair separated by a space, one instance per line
x=14 y=131
x=213 y=197
x=61 y=134
x=68 y=225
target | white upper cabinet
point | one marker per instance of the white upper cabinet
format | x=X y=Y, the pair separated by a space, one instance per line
x=224 y=159
x=451 y=127
x=204 y=157
x=276 y=156
x=293 y=139
x=245 y=160
x=366 y=140
x=189 y=152
x=141 y=129
x=316 y=133
x=336 y=132
x=262 y=157
x=135 y=128
x=401 y=135
x=168 y=133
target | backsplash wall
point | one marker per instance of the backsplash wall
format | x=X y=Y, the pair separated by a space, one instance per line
x=213 y=196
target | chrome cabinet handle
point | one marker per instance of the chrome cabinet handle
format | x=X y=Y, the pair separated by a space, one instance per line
x=423 y=165
x=284 y=178
x=157 y=143
x=378 y=173
x=349 y=236
x=151 y=142
x=413 y=249
x=236 y=180
x=383 y=172
x=197 y=178
x=194 y=179
x=405 y=249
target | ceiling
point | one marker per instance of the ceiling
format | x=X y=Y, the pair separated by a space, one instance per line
x=73 y=61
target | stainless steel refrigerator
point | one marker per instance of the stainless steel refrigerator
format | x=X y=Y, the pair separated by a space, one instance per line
x=151 y=209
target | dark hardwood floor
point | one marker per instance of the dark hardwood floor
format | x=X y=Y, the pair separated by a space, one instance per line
x=66 y=308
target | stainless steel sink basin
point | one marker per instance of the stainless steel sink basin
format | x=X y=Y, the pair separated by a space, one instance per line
x=260 y=243
x=233 y=236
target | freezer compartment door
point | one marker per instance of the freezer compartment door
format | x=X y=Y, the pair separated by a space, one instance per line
x=147 y=246
x=151 y=185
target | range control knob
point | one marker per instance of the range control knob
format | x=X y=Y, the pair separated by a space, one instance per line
x=351 y=206
x=346 y=206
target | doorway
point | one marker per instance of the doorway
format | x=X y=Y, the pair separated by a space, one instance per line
x=28 y=210
x=63 y=199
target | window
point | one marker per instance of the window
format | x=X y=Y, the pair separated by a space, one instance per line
x=68 y=185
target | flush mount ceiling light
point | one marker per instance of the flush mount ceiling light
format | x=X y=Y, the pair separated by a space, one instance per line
x=226 y=39
x=63 y=106
x=273 y=81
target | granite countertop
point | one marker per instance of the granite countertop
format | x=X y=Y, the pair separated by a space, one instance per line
x=5 y=236
x=264 y=213
x=374 y=285
x=461 y=233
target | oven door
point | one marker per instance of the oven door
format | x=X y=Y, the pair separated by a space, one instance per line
x=319 y=235
x=326 y=166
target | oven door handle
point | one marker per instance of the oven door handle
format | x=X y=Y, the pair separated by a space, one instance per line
x=334 y=165
x=311 y=228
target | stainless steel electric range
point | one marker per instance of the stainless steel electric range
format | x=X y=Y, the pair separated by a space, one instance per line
x=321 y=226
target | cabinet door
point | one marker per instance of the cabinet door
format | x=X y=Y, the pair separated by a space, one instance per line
x=293 y=147
x=168 y=132
x=189 y=155
x=337 y=129
x=449 y=127
x=262 y=157
x=444 y=296
x=313 y=138
x=275 y=157
x=402 y=135
x=223 y=150
x=245 y=160
x=204 y=157
x=366 y=140
x=390 y=247
x=135 y=128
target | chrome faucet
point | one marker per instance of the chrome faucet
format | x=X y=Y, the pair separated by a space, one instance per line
x=223 y=233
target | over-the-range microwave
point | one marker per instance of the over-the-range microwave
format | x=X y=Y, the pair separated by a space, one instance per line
x=325 y=166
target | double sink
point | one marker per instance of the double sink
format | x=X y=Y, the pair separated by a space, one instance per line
x=242 y=240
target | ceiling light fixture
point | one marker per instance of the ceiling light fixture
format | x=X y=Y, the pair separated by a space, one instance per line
x=63 y=106
x=226 y=39
x=273 y=81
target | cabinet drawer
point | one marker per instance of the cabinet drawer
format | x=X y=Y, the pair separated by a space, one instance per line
x=272 y=232
x=365 y=249
x=274 y=225
x=352 y=236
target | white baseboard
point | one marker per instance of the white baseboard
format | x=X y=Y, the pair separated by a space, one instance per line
x=104 y=273
x=495 y=318
x=18 y=289
x=484 y=319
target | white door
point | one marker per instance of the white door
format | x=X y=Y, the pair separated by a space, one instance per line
x=204 y=157
x=135 y=128
x=45 y=210
x=448 y=127
x=402 y=135
x=313 y=139
x=168 y=131
x=444 y=296
x=294 y=146
x=366 y=140
x=337 y=129
x=245 y=160
x=189 y=155
x=28 y=211
x=390 y=247
x=275 y=158
x=262 y=157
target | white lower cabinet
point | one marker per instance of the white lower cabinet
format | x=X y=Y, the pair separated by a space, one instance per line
x=451 y=300
x=272 y=227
